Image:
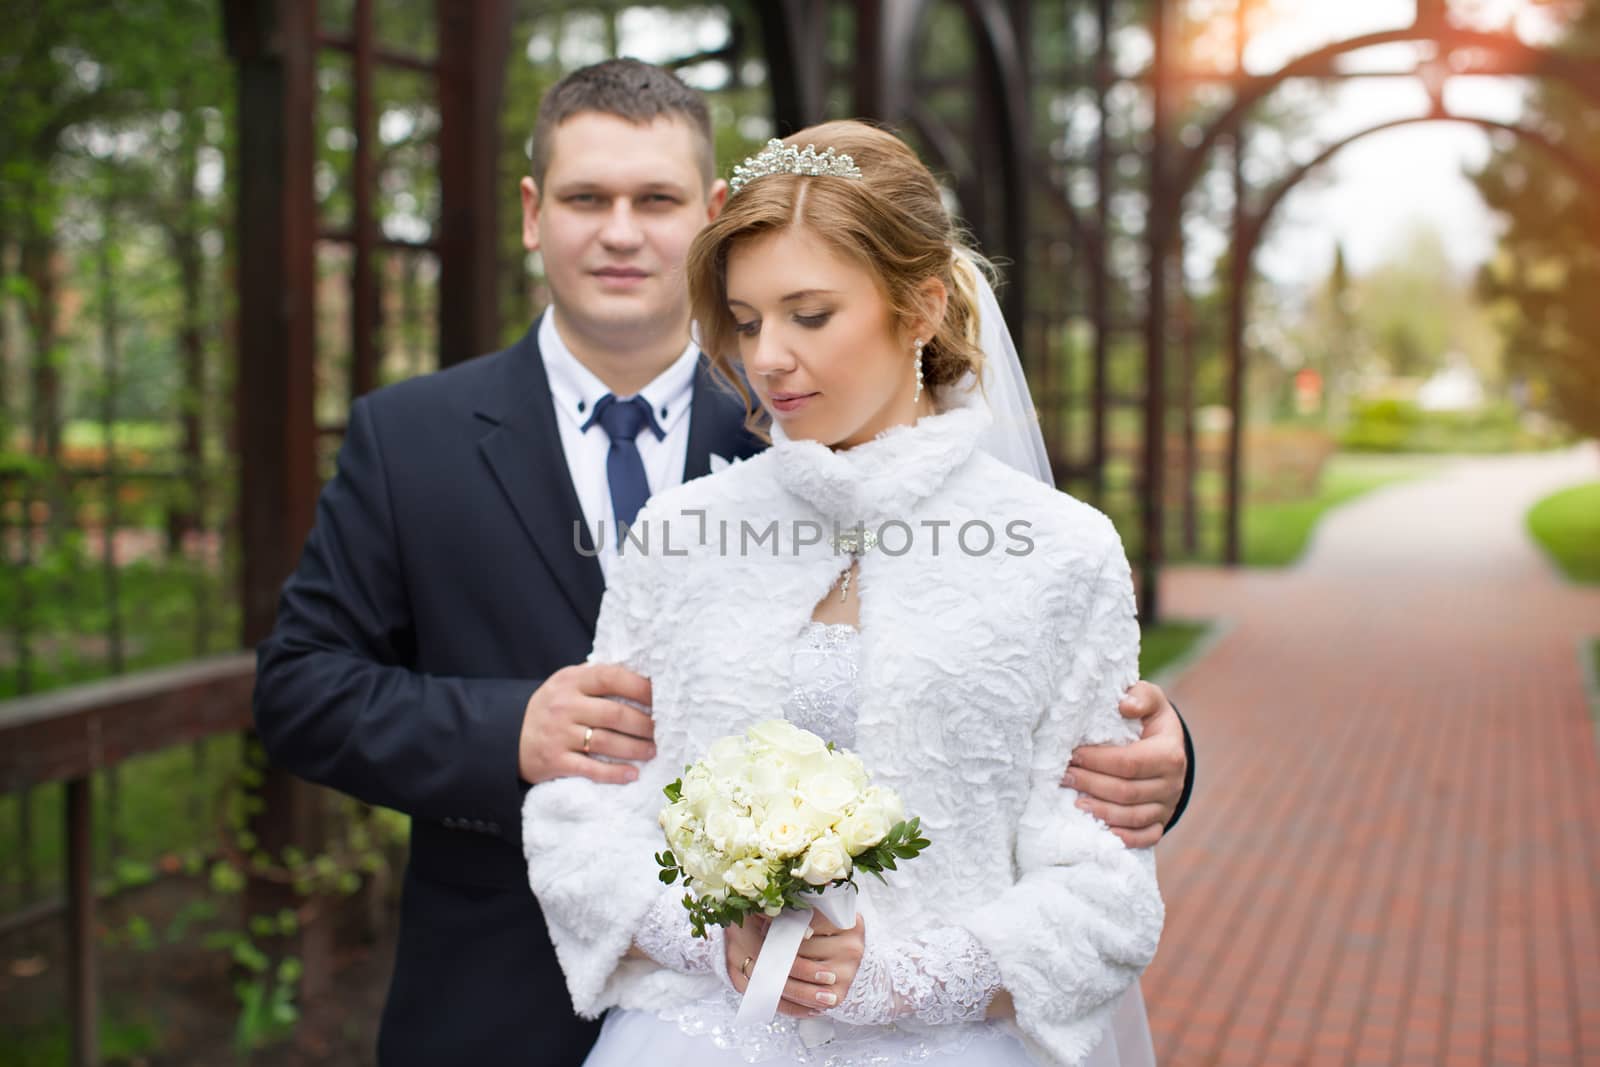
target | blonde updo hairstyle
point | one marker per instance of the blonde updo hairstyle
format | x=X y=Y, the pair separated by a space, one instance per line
x=892 y=221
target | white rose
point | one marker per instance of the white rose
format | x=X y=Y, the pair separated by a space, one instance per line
x=863 y=828
x=727 y=758
x=675 y=819
x=760 y=808
x=730 y=832
x=820 y=762
x=748 y=877
x=698 y=792
x=885 y=801
x=787 y=740
x=827 y=795
x=682 y=842
x=849 y=764
x=814 y=821
x=825 y=861
x=771 y=777
x=782 y=838
x=704 y=867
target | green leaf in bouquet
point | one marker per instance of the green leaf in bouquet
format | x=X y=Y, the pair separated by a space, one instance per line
x=903 y=841
x=674 y=790
x=669 y=866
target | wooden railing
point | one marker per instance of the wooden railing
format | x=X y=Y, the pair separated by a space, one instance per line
x=65 y=735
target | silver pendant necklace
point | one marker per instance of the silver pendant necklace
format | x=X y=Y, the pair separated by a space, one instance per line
x=854 y=543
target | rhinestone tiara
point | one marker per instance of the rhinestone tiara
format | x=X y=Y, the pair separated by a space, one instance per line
x=779 y=158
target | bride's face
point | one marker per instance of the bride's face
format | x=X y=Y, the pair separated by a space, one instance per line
x=819 y=341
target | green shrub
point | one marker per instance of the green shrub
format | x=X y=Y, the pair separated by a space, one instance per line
x=1390 y=425
x=1567 y=524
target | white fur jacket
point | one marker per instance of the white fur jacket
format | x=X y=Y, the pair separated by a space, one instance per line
x=986 y=657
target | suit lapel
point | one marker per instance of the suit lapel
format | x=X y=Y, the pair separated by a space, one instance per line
x=523 y=450
x=716 y=425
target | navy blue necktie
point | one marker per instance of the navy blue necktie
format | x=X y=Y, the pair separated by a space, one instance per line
x=623 y=420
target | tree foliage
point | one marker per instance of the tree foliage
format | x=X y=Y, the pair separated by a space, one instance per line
x=1543 y=279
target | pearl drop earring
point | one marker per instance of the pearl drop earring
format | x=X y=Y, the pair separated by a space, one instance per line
x=917 y=345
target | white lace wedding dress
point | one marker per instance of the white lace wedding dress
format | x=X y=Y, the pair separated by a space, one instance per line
x=951 y=977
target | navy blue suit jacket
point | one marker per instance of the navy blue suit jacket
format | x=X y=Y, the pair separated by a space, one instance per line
x=440 y=585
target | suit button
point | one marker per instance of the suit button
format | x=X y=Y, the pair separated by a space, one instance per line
x=451 y=822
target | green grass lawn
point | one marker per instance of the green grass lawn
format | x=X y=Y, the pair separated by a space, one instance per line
x=1567 y=524
x=1167 y=642
x=1277 y=533
x=145 y=436
x=1274 y=532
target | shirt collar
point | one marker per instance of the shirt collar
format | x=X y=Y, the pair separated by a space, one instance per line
x=575 y=388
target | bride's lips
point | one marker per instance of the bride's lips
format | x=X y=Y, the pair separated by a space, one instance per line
x=789 y=403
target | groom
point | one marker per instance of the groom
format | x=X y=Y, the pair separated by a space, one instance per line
x=429 y=649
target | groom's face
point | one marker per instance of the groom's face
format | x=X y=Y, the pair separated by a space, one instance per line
x=619 y=206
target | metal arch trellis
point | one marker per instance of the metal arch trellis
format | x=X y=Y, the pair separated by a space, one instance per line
x=1459 y=52
x=1517 y=59
x=1258 y=220
x=883 y=81
x=1252 y=226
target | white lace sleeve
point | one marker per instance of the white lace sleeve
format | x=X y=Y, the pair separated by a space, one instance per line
x=666 y=937
x=939 y=977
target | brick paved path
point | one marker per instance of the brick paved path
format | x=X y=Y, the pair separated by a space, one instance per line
x=1393 y=856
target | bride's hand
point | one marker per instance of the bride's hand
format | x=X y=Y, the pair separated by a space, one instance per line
x=828 y=961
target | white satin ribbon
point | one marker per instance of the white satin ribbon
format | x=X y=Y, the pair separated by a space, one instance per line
x=781 y=948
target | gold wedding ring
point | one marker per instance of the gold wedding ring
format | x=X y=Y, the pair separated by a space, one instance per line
x=744 y=968
x=588 y=735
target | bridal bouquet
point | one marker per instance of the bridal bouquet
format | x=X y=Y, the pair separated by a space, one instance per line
x=769 y=819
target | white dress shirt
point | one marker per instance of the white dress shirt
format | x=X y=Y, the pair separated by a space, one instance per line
x=575 y=391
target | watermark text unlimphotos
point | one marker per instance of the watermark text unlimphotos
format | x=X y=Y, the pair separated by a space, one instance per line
x=744 y=538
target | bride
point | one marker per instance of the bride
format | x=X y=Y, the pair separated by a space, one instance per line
x=897 y=574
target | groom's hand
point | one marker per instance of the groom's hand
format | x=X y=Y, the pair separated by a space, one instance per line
x=572 y=718
x=1134 y=789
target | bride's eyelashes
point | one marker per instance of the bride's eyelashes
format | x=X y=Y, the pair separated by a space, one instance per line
x=810 y=322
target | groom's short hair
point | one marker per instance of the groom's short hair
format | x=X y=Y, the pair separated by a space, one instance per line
x=629 y=89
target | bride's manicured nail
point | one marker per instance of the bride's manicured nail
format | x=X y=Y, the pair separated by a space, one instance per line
x=827 y=977
x=1069 y=780
x=827 y=998
x=808 y=934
